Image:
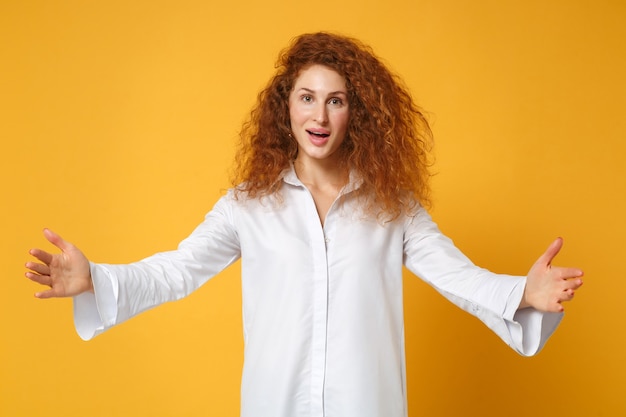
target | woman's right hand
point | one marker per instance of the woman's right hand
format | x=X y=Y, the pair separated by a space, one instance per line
x=66 y=273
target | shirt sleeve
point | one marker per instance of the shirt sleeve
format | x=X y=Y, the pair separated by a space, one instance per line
x=123 y=291
x=493 y=298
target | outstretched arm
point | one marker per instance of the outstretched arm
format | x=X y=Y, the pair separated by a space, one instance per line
x=66 y=273
x=548 y=286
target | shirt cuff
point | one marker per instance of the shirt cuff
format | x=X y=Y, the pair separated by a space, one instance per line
x=97 y=311
x=529 y=328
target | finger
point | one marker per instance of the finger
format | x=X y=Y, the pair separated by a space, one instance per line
x=573 y=284
x=46 y=294
x=39 y=279
x=568 y=273
x=566 y=296
x=42 y=255
x=41 y=269
x=551 y=252
x=56 y=240
x=556 y=307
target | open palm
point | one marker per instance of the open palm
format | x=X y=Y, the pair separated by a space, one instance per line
x=66 y=273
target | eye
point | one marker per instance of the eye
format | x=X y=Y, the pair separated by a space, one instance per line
x=335 y=101
x=306 y=98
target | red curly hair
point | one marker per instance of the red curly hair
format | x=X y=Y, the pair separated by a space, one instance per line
x=387 y=143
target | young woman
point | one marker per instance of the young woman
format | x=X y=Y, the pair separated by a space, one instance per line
x=327 y=206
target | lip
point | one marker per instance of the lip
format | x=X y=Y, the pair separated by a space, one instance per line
x=315 y=138
x=319 y=131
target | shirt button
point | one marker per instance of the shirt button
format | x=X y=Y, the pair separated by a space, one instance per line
x=326 y=240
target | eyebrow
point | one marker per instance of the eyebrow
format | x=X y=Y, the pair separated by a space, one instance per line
x=332 y=93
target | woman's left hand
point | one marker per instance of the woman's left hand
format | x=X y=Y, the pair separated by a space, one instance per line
x=548 y=286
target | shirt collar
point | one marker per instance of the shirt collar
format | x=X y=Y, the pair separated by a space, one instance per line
x=354 y=181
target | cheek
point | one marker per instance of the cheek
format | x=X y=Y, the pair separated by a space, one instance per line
x=295 y=113
x=291 y=107
x=342 y=120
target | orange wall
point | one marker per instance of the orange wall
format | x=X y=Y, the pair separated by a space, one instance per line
x=117 y=122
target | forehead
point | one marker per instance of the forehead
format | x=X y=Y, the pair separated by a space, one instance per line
x=320 y=77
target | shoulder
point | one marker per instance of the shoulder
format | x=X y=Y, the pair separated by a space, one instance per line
x=418 y=220
x=238 y=199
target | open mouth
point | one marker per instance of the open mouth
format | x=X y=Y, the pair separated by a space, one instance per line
x=318 y=134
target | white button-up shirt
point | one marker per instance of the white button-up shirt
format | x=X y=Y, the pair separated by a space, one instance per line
x=322 y=306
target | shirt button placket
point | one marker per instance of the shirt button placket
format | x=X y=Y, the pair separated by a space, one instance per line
x=320 y=313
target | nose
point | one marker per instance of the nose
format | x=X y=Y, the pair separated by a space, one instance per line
x=321 y=114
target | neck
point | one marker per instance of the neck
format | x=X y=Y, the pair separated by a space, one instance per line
x=321 y=173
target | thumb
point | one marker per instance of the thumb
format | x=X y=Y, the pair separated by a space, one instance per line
x=551 y=252
x=56 y=240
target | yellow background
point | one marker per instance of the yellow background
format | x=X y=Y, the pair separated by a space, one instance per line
x=117 y=124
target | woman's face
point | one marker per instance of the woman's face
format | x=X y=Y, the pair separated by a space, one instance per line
x=319 y=112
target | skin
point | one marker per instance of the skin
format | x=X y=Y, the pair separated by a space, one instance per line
x=548 y=286
x=319 y=113
x=66 y=273
x=317 y=104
